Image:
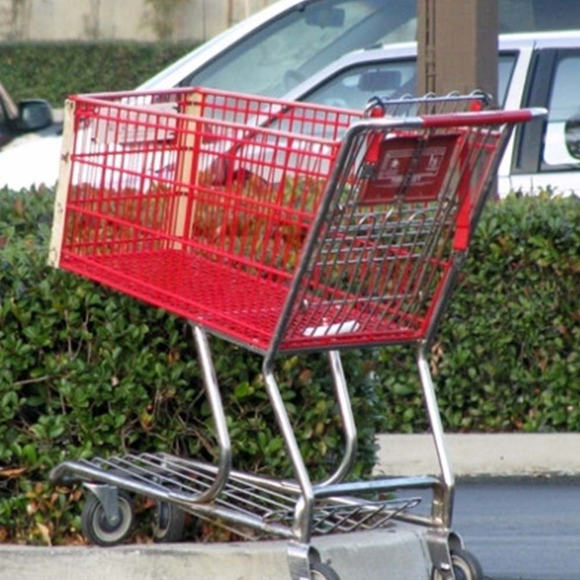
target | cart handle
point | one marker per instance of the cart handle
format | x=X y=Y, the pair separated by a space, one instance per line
x=443 y=120
x=377 y=105
x=482 y=118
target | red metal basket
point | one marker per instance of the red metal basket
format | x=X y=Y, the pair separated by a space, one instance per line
x=204 y=203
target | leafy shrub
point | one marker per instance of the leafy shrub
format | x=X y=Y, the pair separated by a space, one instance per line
x=55 y=70
x=507 y=357
x=86 y=371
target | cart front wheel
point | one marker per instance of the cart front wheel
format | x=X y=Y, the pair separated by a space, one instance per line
x=168 y=523
x=320 y=571
x=97 y=528
x=465 y=566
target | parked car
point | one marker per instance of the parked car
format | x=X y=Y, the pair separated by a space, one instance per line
x=535 y=70
x=278 y=51
x=16 y=120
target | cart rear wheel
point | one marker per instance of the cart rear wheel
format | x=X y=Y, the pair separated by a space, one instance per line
x=320 y=571
x=465 y=566
x=97 y=528
x=168 y=523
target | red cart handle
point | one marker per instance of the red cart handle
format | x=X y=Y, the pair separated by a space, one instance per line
x=482 y=118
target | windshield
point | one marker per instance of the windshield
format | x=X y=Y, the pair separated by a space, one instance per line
x=283 y=53
x=273 y=59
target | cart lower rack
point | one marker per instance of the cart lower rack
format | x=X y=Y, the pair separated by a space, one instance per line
x=282 y=227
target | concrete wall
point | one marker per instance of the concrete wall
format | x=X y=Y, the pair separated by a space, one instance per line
x=143 y=20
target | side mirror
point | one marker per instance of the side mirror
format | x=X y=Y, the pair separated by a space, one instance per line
x=572 y=136
x=33 y=115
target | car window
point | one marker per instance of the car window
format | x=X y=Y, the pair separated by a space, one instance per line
x=353 y=87
x=561 y=145
x=506 y=64
x=283 y=53
x=538 y=15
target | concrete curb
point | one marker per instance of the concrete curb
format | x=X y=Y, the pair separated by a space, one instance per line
x=400 y=553
x=474 y=455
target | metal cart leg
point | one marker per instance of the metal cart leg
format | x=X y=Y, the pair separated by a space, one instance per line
x=303 y=514
x=349 y=427
x=301 y=555
x=217 y=410
x=138 y=475
x=439 y=536
x=347 y=418
x=444 y=494
x=299 y=549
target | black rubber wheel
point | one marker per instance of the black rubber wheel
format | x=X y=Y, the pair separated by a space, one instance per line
x=98 y=530
x=320 y=571
x=168 y=523
x=465 y=566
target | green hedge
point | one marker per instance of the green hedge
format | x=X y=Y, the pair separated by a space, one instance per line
x=54 y=70
x=508 y=354
x=86 y=371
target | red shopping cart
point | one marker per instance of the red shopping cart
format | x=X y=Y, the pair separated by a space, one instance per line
x=283 y=227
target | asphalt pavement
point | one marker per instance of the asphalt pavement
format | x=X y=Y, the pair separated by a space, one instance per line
x=522 y=529
x=517 y=502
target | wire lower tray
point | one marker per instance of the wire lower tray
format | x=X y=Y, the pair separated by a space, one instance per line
x=265 y=504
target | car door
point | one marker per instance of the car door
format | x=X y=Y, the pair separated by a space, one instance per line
x=547 y=152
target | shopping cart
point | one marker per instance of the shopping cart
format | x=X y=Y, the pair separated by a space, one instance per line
x=283 y=227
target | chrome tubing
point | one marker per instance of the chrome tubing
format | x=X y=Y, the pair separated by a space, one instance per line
x=443 y=495
x=347 y=418
x=302 y=526
x=217 y=411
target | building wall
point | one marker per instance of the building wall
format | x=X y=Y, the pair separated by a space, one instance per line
x=142 y=20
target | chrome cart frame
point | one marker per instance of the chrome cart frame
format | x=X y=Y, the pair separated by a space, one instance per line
x=257 y=506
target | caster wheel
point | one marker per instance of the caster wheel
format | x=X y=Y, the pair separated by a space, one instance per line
x=168 y=523
x=465 y=566
x=98 y=530
x=320 y=571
